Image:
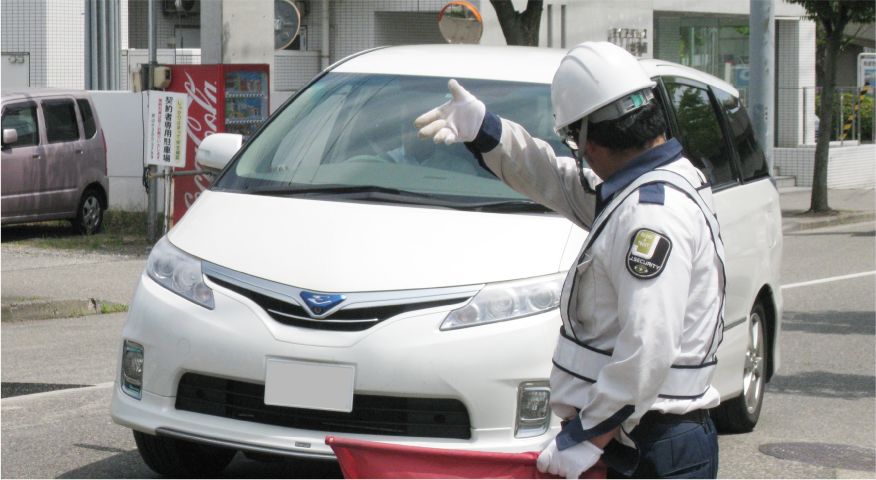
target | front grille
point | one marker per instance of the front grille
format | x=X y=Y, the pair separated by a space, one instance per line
x=349 y=319
x=372 y=414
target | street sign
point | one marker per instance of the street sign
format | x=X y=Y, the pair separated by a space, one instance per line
x=166 y=130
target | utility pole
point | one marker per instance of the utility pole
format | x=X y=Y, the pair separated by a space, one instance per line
x=761 y=90
x=151 y=174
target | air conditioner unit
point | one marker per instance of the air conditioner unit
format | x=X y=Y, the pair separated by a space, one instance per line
x=181 y=7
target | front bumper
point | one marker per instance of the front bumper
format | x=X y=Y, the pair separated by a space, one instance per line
x=406 y=356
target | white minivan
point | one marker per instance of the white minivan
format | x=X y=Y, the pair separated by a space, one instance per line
x=343 y=277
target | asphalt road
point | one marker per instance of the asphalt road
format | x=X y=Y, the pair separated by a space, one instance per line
x=817 y=420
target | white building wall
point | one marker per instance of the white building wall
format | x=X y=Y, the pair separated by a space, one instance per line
x=849 y=166
x=23 y=29
x=795 y=69
x=65 y=44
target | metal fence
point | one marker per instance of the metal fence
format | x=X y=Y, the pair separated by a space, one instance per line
x=853 y=113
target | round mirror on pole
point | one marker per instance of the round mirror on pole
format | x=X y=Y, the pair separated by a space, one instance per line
x=460 y=22
x=287 y=22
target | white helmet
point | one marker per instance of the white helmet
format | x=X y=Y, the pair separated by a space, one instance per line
x=594 y=76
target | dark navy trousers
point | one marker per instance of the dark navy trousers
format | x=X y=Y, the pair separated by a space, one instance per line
x=670 y=446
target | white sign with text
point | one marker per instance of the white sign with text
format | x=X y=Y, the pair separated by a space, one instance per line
x=166 y=129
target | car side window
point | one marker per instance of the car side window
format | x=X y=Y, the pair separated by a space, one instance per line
x=751 y=158
x=700 y=131
x=61 y=124
x=23 y=119
x=87 y=117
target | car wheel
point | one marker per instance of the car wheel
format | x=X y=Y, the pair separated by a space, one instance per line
x=740 y=414
x=89 y=215
x=180 y=459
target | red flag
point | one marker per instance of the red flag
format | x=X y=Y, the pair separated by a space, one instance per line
x=363 y=459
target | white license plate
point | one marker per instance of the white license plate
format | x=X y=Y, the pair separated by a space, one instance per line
x=319 y=386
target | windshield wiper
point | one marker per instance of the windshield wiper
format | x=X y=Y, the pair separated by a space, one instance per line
x=507 y=206
x=330 y=189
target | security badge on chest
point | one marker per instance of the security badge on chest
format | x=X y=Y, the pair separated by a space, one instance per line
x=649 y=251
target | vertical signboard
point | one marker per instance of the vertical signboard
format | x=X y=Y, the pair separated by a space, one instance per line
x=166 y=132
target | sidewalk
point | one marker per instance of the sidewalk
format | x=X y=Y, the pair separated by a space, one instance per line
x=849 y=205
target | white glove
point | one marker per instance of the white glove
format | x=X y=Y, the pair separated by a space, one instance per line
x=458 y=120
x=569 y=463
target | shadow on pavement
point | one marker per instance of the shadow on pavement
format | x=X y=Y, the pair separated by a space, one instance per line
x=849 y=323
x=825 y=384
x=37 y=230
x=129 y=465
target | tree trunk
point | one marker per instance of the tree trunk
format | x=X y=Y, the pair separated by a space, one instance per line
x=519 y=28
x=818 y=201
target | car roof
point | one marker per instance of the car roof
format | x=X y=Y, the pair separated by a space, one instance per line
x=18 y=94
x=506 y=63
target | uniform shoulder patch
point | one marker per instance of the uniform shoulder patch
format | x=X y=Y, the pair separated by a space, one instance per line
x=649 y=251
x=652 y=193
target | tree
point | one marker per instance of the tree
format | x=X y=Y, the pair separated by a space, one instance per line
x=519 y=28
x=832 y=16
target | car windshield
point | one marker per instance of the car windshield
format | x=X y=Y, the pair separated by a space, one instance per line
x=355 y=133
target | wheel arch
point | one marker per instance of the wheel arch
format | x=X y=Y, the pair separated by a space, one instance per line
x=104 y=198
x=767 y=300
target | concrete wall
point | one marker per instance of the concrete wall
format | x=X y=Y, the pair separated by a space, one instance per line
x=23 y=29
x=849 y=166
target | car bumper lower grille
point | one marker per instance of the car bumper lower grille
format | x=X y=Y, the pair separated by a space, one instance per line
x=372 y=414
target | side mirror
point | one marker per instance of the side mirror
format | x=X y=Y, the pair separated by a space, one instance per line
x=10 y=136
x=216 y=150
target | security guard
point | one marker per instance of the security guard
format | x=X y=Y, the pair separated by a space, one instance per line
x=643 y=306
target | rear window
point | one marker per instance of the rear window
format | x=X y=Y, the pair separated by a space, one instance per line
x=700 y=131
x=23 y=119
x=87 y=117
x=61 y=123
x=751 y=159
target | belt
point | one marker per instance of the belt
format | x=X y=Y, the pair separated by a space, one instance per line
x=657 y=417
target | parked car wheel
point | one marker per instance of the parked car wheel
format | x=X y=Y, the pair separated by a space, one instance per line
x=180 y=459
x=740 y=414
x=89 y=215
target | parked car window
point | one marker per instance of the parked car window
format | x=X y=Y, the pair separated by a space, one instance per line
x=61 y=125
x=23 y=119
x=700 y=131
x=751 y=159
x=87 y=117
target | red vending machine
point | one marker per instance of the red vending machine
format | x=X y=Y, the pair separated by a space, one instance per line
x=222 y=99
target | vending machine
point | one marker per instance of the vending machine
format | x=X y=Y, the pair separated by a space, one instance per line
x=222 y=99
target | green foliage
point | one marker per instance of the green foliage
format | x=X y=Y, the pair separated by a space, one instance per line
x=866 y=118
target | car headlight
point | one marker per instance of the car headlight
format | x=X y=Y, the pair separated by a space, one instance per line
x=179 y=272
x=498 y=302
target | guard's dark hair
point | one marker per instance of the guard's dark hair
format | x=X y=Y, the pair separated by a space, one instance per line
x=633 y=130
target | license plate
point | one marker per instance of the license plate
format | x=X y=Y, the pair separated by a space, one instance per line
x=318 y=386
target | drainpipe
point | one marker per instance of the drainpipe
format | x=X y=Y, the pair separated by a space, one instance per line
x=324 y=50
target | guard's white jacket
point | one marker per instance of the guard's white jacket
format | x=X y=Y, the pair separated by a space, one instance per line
x=643 y=307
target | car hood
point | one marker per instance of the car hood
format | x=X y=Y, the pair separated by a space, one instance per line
x=345 y=246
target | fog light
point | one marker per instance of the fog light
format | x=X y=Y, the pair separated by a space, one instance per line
x=533 y=409
x=132 y=369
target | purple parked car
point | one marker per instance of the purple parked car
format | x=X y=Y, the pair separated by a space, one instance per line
x=53 y=159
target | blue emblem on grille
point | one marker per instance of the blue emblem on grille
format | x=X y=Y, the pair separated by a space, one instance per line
x=319 y=303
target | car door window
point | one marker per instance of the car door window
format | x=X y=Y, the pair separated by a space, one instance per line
x=87 y=117
x=700 y=131
x=61 y=125
x=23 y=119
x=751 y=159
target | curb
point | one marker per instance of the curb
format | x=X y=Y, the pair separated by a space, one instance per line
x=791 y=225
x=46 y=309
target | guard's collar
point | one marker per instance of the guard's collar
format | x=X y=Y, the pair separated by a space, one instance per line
x=638 y=166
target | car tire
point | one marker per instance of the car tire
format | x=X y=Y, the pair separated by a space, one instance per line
x=89 y=215
x=740 y=414
x=181 y=459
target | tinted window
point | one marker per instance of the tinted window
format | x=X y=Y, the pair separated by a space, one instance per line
x=751 y=159
x=87 y=117
x=23 y=119
x=700 y=131
x=61 y=123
